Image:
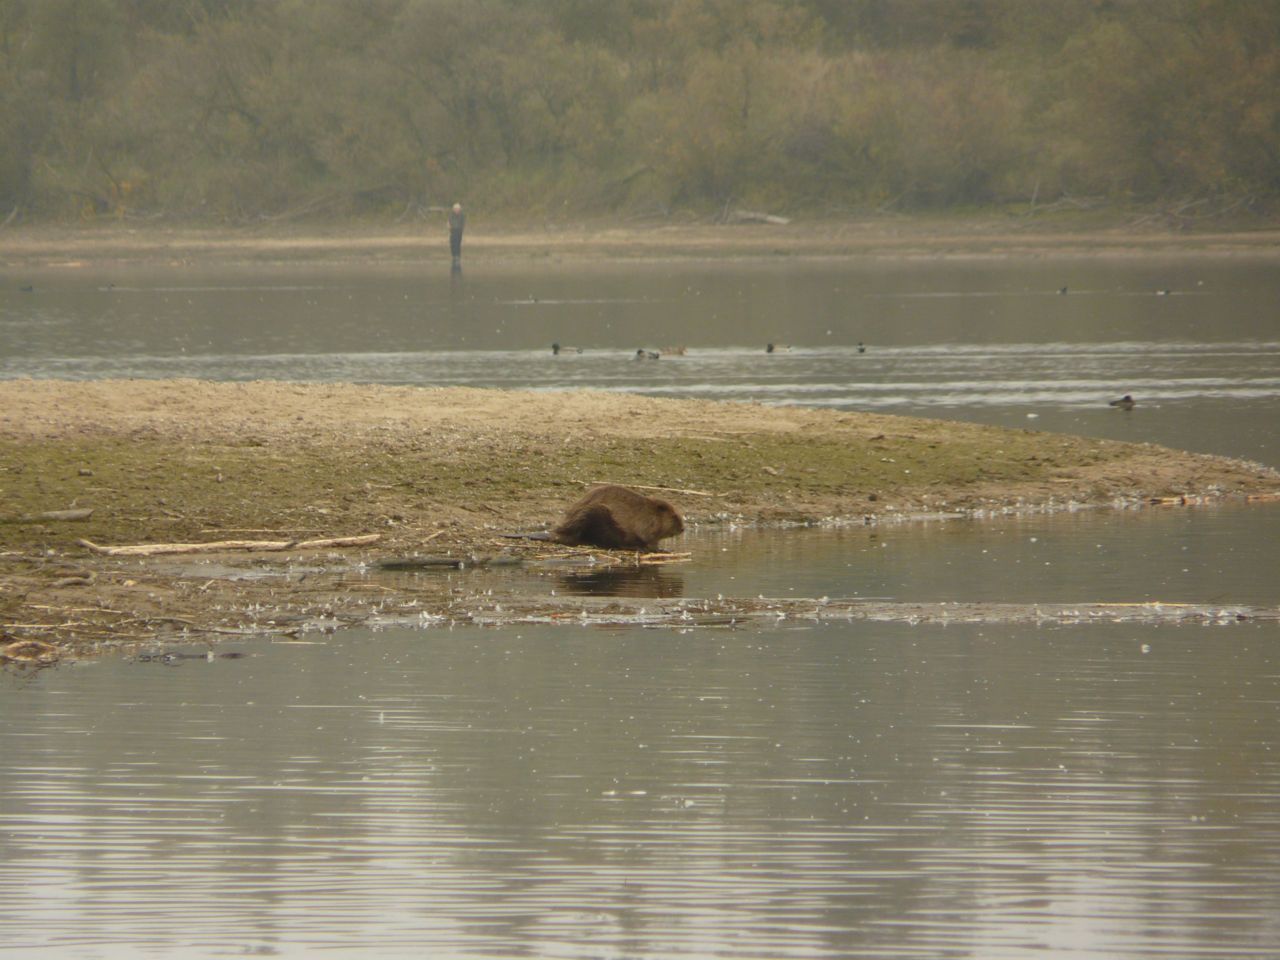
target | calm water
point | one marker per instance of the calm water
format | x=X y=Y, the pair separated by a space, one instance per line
x=865 y=790
x=993 y=342
x=561 y=792
x=1223 y=554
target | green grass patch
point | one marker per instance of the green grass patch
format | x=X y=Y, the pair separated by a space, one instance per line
x=154 y=490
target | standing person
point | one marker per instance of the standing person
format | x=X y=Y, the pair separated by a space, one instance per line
x=457 y=220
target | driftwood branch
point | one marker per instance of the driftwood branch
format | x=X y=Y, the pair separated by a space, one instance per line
x=643 y=486
x=154 y=549
x=661 y=557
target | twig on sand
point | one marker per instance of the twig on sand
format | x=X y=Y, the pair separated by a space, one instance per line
x=642 y=486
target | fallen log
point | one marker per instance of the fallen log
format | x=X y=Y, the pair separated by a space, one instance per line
x=156 y=549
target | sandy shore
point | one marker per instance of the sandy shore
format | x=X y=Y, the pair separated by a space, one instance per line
x=440 y=474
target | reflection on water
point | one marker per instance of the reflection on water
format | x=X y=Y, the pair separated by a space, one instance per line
x=564 y=792
x=630 y=582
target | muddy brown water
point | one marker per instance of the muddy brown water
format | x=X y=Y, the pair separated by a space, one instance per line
x=788 y=789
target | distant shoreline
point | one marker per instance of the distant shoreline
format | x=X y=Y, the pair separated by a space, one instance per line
x=1003 y=237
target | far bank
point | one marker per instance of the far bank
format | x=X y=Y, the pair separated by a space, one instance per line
x=126 y=242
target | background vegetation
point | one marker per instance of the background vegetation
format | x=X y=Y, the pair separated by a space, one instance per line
x=235 y=110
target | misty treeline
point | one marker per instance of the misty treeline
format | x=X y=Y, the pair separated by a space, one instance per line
x=235 y=110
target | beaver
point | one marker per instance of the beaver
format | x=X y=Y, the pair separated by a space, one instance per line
x=615 y=518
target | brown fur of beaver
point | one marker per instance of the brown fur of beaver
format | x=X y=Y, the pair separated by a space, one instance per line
x=615 y=518
x=618 y=518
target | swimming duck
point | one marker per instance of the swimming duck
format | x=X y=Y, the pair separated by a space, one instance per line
x=776 y=348
x=1124 y=403
x=643 y=354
